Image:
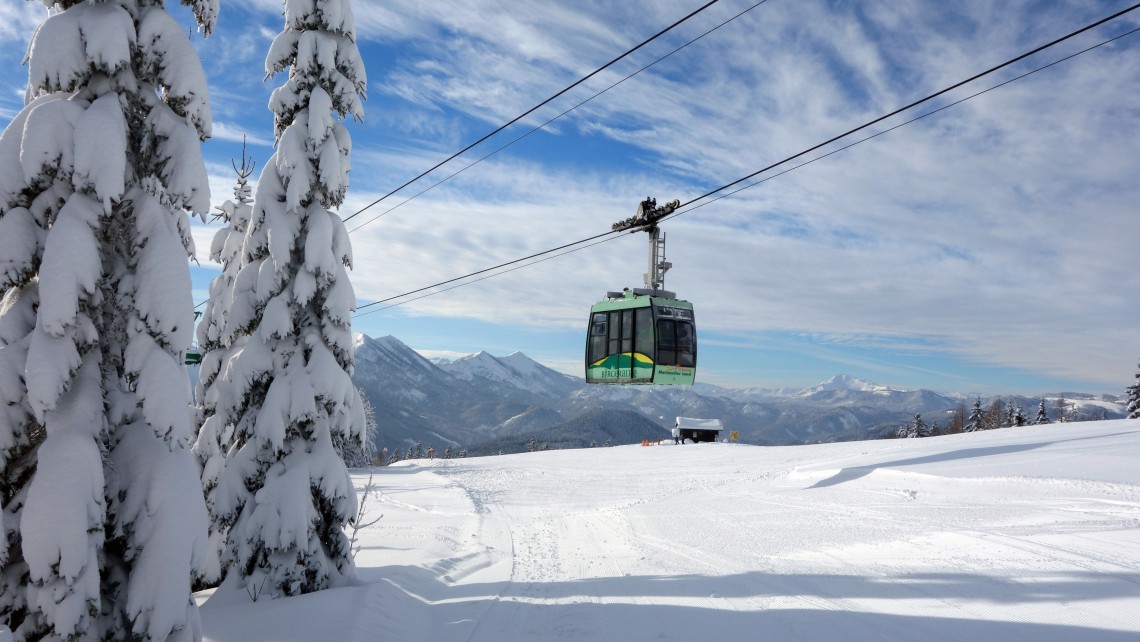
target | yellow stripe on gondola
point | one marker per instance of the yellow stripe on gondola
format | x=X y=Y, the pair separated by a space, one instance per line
x=637 y=356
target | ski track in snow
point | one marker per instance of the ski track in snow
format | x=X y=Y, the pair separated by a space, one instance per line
x=1019 y=534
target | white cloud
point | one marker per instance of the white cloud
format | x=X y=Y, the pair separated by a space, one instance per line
x=234 y=133
x=18 y=20
x=203 y=237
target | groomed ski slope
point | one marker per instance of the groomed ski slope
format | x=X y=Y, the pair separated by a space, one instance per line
x=1017 y=534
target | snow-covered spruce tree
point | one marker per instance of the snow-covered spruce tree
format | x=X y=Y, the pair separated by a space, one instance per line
x=976 y=419
x=1018 y=416
x=1134 y=397
x=285 y=496
x=919 y=427
x=216 y=341
x=1042 y=416
x=26 y=209
x=112 y=521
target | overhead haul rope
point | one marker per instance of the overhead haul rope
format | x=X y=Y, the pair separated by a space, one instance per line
x=541 y=126
x=539 y=105
x=774 y=165
x=919 y=102
x=877 y=134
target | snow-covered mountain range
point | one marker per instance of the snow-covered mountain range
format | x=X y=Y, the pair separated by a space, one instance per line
x=496 y=402
x=516 y=372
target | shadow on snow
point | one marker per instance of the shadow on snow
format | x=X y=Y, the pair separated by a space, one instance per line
x=771 y=607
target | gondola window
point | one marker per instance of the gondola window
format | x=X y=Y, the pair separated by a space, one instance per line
x=598 y=331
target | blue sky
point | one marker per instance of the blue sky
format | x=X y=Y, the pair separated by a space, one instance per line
x=989 y=248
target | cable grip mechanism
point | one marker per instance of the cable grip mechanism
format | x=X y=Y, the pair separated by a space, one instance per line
x=648 y=214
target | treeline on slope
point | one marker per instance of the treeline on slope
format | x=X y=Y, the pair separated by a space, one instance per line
x=999 y=414
x=600 y=427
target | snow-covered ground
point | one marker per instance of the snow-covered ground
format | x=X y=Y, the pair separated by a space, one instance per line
x=1016 y=534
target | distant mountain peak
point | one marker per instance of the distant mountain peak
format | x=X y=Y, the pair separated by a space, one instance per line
x=482 y=355
x=387 y=349
x=361 y=339
x=516 y=370
x=845 y=382
x=517 y=357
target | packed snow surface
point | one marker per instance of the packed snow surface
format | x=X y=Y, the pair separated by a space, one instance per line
x=1017 y=534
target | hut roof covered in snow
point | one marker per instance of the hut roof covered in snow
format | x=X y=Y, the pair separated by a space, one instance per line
x=698 y=424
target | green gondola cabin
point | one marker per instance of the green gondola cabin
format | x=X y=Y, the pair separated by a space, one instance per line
x=641 y=337
x=193 y=355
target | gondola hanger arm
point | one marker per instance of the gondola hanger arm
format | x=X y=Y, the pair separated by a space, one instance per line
x=648 y=214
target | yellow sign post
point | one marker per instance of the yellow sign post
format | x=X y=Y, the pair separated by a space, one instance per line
x=734 y=435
